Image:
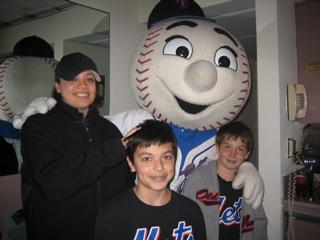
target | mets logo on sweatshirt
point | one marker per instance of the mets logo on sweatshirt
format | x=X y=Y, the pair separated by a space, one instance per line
x=228 y=214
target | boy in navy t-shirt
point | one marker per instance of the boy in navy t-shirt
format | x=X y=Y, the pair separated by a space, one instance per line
x=150 y=210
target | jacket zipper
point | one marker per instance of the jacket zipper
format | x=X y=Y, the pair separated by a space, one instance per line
x=84 y=121
x=99 y=195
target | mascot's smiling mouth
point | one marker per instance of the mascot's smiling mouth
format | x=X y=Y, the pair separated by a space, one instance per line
x=189 y=107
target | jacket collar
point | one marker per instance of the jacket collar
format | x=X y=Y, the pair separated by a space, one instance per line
x=74 y=113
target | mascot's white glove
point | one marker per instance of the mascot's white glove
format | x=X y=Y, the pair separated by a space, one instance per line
x=38 y=105
x=252 y=183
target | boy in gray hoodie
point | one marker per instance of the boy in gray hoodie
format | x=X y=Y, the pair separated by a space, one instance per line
x=227 y=216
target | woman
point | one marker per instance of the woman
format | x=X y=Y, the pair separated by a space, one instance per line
x=73 y=158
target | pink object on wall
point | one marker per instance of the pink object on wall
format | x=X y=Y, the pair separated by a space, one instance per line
x=308 y=50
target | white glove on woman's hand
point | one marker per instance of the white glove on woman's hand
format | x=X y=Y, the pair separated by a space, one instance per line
x=252 y=183
x=38 y=105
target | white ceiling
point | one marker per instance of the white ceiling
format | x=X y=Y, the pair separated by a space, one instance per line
x=14 y=12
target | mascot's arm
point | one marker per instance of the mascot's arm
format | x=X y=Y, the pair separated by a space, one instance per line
x=38 y=105
x=252 y=183
x=125 y=121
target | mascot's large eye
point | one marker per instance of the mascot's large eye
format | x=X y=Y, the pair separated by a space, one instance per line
x=179 y=46
x=226 y=57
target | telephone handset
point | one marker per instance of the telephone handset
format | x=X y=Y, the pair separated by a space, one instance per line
x=296 y=101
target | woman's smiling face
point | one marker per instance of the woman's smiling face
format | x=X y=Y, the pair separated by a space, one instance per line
x=79 y=92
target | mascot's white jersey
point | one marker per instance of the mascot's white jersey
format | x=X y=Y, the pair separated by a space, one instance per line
x=193 y=74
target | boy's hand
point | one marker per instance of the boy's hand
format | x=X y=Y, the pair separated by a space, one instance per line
x=252 y=183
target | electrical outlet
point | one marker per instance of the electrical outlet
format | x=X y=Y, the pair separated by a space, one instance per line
x=291 y=147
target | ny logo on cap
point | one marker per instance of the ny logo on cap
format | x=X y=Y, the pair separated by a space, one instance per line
x=183 y=3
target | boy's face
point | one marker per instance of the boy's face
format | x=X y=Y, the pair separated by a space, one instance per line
x=154 y=167
x=231 y=153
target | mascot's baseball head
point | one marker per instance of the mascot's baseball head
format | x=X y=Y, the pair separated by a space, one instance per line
x=188 y=70
x=27 y=74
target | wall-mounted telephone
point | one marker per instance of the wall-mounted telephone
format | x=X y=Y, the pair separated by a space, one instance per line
x=296 y=101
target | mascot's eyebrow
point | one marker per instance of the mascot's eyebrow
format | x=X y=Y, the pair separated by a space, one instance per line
x=182 y=23
x=176 y=36
x=221 y=31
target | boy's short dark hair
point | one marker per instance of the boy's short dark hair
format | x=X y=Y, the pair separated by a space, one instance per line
x=234 y=130
x=151 y=132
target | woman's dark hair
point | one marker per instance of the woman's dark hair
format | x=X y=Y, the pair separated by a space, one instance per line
x=151 y=132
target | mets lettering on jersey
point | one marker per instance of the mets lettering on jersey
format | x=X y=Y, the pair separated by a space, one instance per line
x=230 y=215
x=182 y=232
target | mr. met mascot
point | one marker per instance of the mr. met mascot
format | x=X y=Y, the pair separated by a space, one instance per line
x=30 y=64
x=192 y=73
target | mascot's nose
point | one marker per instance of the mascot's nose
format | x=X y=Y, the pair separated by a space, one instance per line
x=201 y=76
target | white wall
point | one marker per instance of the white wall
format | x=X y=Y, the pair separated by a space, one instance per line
x=269 y=118
x=288 y=74
x=277 y=66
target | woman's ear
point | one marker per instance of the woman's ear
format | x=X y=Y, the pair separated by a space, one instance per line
x=132 y=168
x=57 y=87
